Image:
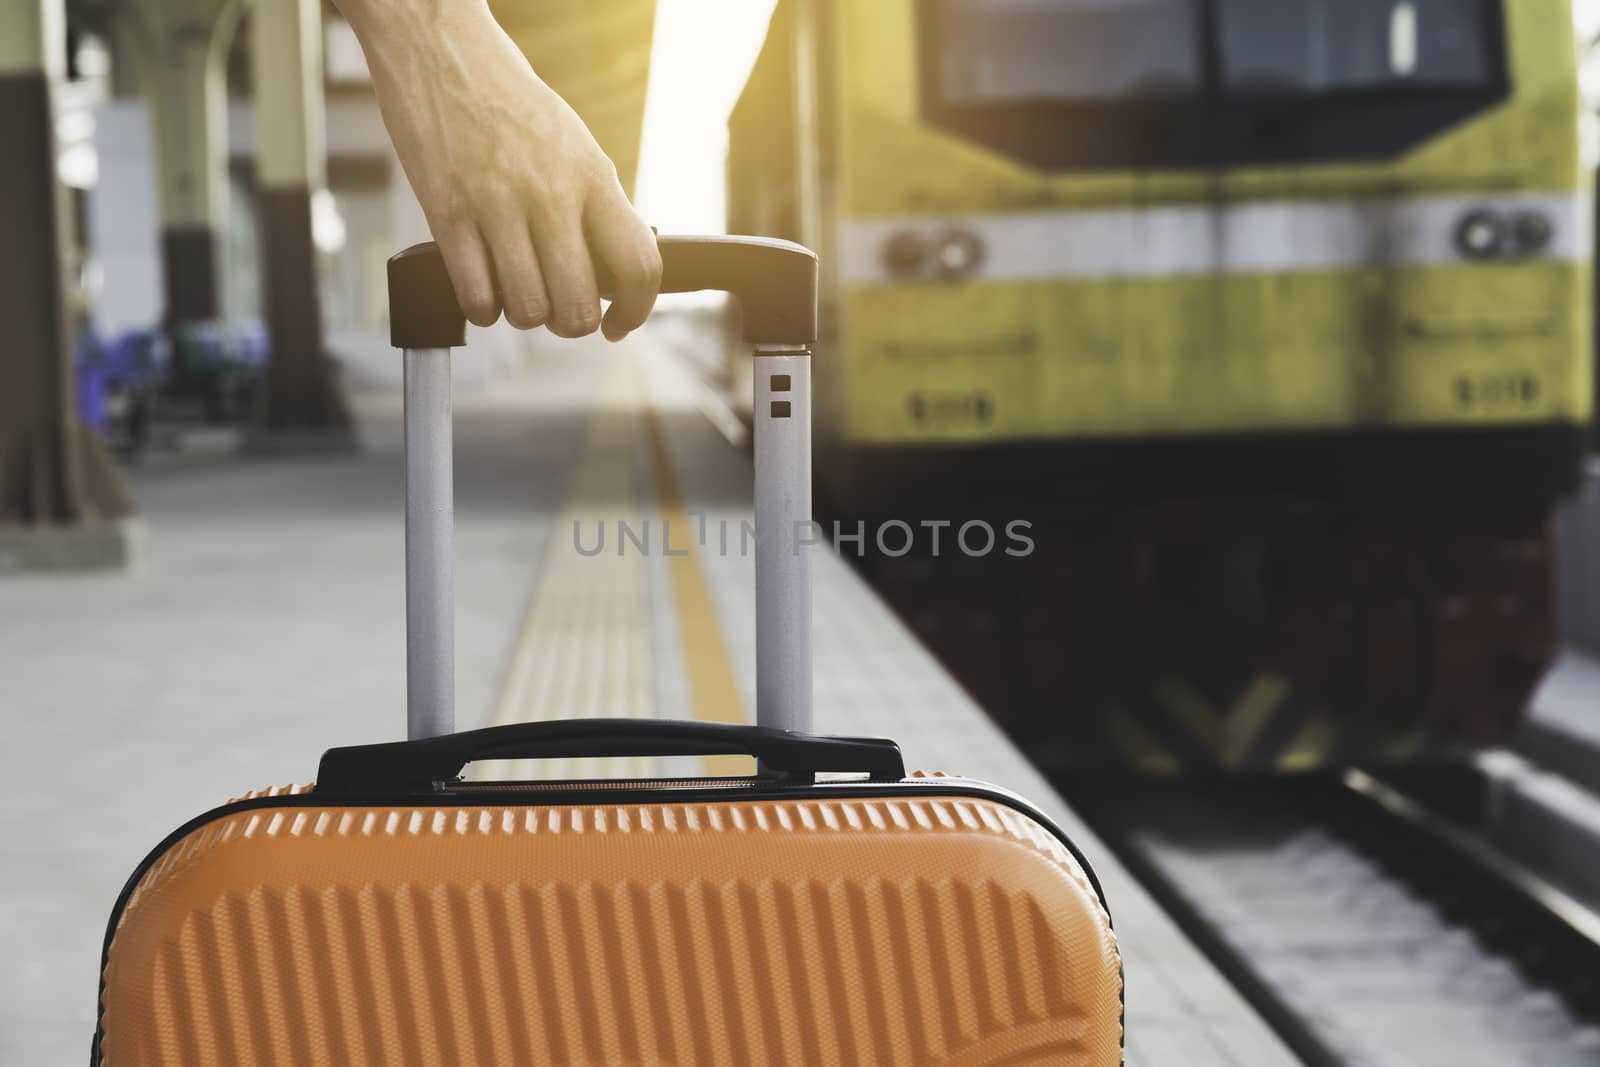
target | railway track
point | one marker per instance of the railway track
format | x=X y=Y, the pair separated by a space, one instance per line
x=1367 y=923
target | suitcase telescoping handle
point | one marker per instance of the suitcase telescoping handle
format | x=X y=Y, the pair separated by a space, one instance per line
x=418 y=766
x=775 y=283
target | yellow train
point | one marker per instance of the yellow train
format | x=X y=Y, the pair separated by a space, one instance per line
x=1272 y=316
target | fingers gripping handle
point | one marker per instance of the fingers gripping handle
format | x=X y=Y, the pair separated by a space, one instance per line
x=774 y=281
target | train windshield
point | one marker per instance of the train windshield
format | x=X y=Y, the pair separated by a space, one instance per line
x=1013 y=50
x=1000 y=50
x=1319 y=46
x=1153 y=83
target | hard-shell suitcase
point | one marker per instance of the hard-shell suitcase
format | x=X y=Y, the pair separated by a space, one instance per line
x=829 y=909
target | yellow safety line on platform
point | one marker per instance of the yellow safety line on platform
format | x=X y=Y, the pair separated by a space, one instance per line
x=713 y=690
x=584 y=646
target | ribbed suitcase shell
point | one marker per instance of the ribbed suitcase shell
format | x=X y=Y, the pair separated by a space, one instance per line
x=844 y=924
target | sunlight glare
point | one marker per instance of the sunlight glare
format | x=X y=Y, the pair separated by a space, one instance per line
x=702 y=54
x=1586 y=21
x=1586 y=17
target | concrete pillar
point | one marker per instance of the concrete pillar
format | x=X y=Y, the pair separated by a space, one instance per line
x=60 y=502
x=302 y=407
x=188 y=95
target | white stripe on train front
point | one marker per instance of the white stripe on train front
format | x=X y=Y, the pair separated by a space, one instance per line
x=1262 y=237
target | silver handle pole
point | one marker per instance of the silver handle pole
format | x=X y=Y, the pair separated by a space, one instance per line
x=784 y=532
x=430 y=518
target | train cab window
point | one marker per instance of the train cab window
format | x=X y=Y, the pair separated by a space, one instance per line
x=1015 y=50
x=1318 y=46
x=1148 y=84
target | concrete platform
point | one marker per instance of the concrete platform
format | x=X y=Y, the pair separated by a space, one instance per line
x=266 y=624
x=1562 y=733
x=96 y=546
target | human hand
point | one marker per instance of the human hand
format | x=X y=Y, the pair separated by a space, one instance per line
x=513 y=185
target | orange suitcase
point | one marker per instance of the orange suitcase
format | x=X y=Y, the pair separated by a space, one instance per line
x=827 y=910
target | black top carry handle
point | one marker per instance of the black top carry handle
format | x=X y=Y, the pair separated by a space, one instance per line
x=774 y=281
x=414 y=766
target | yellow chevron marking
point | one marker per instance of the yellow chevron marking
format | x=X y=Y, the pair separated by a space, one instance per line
x=1139 y=747
x=1251 y=713
x=1231 y=733
x=1406 y=745
x=1310 y=746
x=1193 y=711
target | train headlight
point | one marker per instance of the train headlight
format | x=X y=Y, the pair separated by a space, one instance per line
x=904 y=254
x=1481 y=234
x=957 y=254
x=1532 y=231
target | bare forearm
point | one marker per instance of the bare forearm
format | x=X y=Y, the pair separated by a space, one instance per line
x=386 y=23
x=507 y=174
x=417 y=49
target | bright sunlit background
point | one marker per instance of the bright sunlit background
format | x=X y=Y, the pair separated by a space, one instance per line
x=703 y=53
x=1586 y=16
